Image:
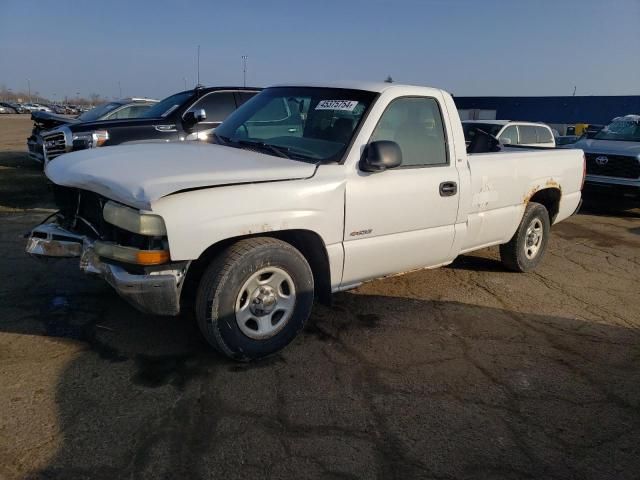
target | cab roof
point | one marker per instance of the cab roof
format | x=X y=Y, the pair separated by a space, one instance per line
x=377 y=87
x=505 y=122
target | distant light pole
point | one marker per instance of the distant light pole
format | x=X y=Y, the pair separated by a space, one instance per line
x=29 y=86
x=120 y=88
x=244 y=70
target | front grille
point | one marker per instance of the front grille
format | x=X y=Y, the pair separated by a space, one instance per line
x=54 y=145
x=614 y=166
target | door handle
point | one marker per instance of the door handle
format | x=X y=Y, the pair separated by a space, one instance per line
x=448 y=189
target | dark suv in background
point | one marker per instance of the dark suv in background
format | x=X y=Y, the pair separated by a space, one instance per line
x=189 y=115
x=118 y=109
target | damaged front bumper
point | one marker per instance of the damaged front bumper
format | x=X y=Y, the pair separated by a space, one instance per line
x=156 y=291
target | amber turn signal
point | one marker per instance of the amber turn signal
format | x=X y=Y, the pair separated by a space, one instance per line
x=152 y=257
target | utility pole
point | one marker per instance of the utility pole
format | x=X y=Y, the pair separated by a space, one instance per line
x=244 y=70
x=120 y=88
x=29 y=86
x=574 y=90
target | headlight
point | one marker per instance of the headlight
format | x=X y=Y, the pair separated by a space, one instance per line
x=133 y=221
x=90 y=139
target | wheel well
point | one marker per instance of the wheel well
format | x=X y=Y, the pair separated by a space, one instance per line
x=550 y=199
x=309 y=243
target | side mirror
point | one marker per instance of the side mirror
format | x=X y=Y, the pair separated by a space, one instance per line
x=380 y=156
x=505 y=141
x=195 y=116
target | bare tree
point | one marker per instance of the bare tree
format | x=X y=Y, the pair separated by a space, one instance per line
x=388 y=79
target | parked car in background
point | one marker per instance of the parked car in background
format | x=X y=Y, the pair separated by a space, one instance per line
x=509 y=132
x=310 y=190
x=592 y=130
x=59 y=109
x=17 y=107
x=566 y=139
x=118 y=109
x=613 y=158
x=6 y=108
x=36 y=107
x=11 y=107
x=188 y=115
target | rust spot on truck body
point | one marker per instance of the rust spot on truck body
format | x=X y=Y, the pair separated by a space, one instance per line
x=551 y=183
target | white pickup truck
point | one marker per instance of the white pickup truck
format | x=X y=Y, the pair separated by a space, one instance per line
x=309 y=190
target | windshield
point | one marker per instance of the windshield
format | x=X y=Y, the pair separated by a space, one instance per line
x=469 y=129
x=98 y=112
x=168 y=105
x=298 y=122
x=624 y=129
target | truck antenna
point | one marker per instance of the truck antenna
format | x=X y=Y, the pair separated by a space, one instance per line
x=198 y=65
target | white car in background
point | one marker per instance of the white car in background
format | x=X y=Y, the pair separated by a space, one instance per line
x=526 y=134
x=35 y=107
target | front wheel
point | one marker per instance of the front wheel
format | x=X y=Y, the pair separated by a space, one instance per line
x=526 y=248
x=254 y=298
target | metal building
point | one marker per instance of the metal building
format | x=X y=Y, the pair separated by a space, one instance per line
x=552 y=110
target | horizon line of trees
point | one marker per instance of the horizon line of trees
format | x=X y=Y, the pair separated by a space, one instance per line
x=10 y=95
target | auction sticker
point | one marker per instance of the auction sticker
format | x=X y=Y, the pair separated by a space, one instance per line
x=345 y=105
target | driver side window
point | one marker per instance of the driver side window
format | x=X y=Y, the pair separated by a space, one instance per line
x=415 y=124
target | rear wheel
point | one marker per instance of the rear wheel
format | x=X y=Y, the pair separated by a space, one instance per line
x=526 y=248
x=254 y=298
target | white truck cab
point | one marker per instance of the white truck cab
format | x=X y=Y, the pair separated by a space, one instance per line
x=308 y=190
x=509 y=132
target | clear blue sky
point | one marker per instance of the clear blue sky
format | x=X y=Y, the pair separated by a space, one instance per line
x=484 y=47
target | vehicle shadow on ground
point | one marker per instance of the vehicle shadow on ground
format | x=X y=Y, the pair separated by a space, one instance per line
x=375 y=387
x=475 y=263
x=607 y=206
x=22 y=182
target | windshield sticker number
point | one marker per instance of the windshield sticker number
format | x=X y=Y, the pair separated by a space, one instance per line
x=343 y=105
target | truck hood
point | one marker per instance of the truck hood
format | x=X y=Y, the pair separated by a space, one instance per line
x=47 y=120
x=137 y=175
x=611 y=147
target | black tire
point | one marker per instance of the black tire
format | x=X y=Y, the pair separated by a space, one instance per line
x=220 y=286
x=514 y=255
